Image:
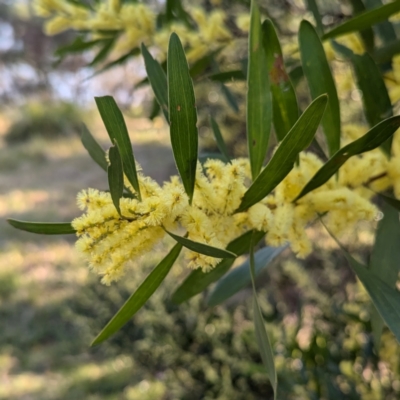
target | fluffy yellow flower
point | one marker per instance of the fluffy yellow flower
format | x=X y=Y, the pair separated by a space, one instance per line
x=136 y=23
x=108 y=241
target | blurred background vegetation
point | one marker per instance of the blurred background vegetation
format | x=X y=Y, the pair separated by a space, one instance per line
x=51 y=305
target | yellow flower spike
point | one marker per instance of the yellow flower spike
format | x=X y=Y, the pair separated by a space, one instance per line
x=115 y=6
x=199 y=17
x=278 y=233
x=108 y=241
x=299 y=241
x=260 y=217
x=243 y=22
x=396 y=144
x=56 y=25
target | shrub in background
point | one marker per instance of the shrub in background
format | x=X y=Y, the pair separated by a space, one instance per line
x=226 y=208
x=46 y=120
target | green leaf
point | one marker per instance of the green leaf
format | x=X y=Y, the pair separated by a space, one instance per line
x=118 y=133
x=296 y=75
x=385 y=298
x=94 y=149
x=220 y=140
x=77 y=46
x=139 y=298
x=203 y=157
x=320 y=80
x=384 y=29
x=313 y=7
x=199 y=66
x=259 y=99
x=371 y=140
x=175 y=11
x=375 y=98
x=158 y=80
x=230 y=98
x=79 y=3
x=202 y=248
x=262 y=339
x=239 y=277
x=284 y=102
x=367 y=34
x=228 y=76
x=44 y=228
x=364 y=20
x=155 y=110
x=391 y=201
x=197 y=281
x=119 y=61
x=182 y=114
x=385 y=53
x=299 y=137
x=104 y=51
x=385 y=259
x=115 y=176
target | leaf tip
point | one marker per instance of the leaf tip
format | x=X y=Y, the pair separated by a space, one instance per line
x=174 y=37
x=95 y=342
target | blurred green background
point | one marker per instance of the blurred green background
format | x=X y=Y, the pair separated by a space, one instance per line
x=51 y=305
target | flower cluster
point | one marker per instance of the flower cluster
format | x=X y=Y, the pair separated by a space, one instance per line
x=137 y=24
x=109 y=241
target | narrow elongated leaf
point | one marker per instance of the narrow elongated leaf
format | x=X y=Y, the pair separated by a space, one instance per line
x=296 y=75
x=284 y=102
x=199 y=66
x=139 y=298
x=262 y=339
x=320 y=80
x=182 y=114
x=385 y=53
x=391 y=201
x=202 y=248
x=203 y=157
x=367 y=34
x=119 y=61
x=228 y=76
x=371 y=140
x=220 y=140
x=158 y=80
x=118 y=133
x=299 y=137
x=104 y=51
x=44 y=228
x=94 y=149
x=384 y=29
x=175 y=11
x=115 y=177
x=259 y=98
x=155 y=110
x=239 y=277
x=386 y=243
x=376 y=100
x=230 y=98
x=385 y=259
x=79 y=3
x=313 y=7
x=385 y=298
x=77 y=46
x=197 y=281
x=364 y=20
